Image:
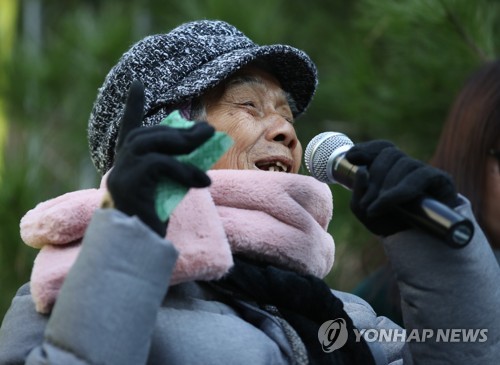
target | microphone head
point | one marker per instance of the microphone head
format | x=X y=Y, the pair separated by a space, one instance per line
x=321 y=149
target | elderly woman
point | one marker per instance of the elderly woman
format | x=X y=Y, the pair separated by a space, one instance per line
x=238 y=277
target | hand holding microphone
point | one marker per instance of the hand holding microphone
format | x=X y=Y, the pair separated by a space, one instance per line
x=391 y=191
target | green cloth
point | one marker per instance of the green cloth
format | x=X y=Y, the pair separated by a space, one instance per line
x=170 y=192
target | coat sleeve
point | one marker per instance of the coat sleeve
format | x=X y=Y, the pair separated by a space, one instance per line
x=452 y=291
x=106 y=309
x=365 y=318
x=22 y=328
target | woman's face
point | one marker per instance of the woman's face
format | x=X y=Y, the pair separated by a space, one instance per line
x=254 y=111
x=492 y=201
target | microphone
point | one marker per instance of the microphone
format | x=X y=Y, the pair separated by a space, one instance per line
x=324 y=158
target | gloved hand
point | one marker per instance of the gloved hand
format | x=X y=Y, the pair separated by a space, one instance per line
x=145 y=156
x=388 y=179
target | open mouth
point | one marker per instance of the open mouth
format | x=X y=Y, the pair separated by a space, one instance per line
x=273 y=165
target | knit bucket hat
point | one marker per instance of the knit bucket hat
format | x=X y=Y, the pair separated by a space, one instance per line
x=181 y=65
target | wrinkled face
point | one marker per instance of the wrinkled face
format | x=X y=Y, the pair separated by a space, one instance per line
x=253 y=110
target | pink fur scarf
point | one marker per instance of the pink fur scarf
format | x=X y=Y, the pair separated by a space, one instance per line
x=280 y=218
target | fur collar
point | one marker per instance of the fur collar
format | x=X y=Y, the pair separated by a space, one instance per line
x=273 y=217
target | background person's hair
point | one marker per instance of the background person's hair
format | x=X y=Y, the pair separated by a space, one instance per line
x=471 y=130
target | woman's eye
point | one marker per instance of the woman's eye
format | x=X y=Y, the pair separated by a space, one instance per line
x=288 y=118
x=248 y=103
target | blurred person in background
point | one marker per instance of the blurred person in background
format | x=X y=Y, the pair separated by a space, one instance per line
x=235 y=273
x=469 y=150
x=469 y=147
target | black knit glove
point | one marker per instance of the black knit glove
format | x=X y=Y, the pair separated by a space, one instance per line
x=145 y=156
x=389 y=179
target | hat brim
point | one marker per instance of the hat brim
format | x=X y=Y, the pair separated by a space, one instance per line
x=293 y=69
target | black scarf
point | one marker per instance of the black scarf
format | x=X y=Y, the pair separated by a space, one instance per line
x=304 y=301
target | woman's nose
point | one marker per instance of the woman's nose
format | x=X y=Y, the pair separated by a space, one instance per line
x=282 y=131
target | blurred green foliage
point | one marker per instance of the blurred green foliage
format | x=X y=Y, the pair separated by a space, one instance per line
x=388 y=69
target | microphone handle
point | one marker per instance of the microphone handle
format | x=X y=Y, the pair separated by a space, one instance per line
x=436 y=217
x=425 y=213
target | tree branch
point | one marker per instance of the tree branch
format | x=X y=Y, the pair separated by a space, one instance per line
x=463 y=33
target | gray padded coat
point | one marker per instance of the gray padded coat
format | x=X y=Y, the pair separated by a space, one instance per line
x=129 y=315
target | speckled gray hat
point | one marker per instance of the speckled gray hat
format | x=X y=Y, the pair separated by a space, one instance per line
x=180 y=65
